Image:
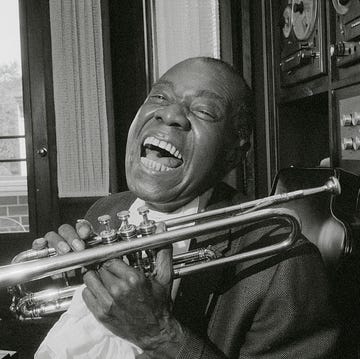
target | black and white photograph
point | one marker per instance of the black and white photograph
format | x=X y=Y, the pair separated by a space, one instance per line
x=180 y=179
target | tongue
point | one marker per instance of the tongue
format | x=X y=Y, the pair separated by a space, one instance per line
x=166 y=161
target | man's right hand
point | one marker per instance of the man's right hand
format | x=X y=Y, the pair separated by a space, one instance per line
x=66 y=239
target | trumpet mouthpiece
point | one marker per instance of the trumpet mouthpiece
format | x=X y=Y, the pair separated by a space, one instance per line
x=333 y=185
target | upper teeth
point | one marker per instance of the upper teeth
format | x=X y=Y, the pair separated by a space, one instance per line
x=163 y=144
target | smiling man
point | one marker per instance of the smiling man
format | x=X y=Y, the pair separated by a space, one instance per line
x=182 y=142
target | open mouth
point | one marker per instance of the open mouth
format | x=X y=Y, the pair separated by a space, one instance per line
x=160 y=155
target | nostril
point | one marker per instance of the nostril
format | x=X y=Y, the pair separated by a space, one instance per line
x=174 y=116
x=157 y=116
x=175 y=124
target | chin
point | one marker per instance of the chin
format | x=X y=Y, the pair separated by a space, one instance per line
x=151 y=186
x=153 y=194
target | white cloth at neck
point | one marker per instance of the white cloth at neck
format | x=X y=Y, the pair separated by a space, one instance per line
x=78 y=335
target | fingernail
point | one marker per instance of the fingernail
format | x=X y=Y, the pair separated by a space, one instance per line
x=40 y=240
x=78 y=245
x=40 y=243
x=63 y=247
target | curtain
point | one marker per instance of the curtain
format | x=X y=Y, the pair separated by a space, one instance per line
x=182 y=29
x=79 y=95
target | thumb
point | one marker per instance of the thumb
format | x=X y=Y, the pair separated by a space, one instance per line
x=164 y=266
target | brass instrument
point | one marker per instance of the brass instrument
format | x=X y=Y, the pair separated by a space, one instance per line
x=32 y=265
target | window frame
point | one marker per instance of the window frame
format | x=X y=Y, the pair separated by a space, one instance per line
x=39 y=124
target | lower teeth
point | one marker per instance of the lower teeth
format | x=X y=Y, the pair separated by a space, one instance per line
x=155 y=165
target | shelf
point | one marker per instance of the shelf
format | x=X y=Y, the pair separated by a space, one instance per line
x=303 y=90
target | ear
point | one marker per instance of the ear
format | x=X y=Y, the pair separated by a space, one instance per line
x=235 y=155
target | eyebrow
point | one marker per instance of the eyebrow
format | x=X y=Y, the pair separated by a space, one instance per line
x=210 y=94
x=200 y=93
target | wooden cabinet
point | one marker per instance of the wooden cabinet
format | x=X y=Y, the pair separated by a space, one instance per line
x=309 y=88
x=307 y=77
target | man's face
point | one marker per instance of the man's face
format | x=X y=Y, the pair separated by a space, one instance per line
x=175 y=143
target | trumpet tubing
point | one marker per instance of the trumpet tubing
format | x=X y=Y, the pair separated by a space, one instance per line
x=19 y=273
x=31 y=268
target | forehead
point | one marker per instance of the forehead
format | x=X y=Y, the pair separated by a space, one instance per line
x=191 y=91
x=200 y=79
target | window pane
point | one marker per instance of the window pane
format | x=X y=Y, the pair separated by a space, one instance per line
x=178 y=21
x=11 y=108
x=11 y=225
x=12 y=148
x=13 y=181
x=12 y=169
x=14 y=215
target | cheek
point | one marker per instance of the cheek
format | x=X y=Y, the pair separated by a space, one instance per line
x=144 y=114
x=208 y=142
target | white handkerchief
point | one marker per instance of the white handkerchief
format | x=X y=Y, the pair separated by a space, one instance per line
x=78 y=335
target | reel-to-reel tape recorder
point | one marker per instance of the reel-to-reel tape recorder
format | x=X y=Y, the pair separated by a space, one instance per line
x=347 y=46
x=302 y=40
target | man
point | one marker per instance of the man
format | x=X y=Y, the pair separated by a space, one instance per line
x=183 y=140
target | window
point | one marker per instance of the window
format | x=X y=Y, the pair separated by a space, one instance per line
x=28 y=193
x=13 y=173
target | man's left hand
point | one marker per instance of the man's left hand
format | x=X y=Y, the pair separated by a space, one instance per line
x=133 y=306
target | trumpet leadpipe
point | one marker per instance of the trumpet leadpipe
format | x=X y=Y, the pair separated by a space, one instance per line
x=332 y=186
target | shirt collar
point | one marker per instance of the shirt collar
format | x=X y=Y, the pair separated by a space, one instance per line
x=196 y=205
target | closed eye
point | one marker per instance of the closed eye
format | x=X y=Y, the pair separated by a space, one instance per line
x=159 y=97
x=205 y=115
x=206 y=110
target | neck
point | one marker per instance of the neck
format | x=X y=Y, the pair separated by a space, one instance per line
x=175 y=205
x=169 y=206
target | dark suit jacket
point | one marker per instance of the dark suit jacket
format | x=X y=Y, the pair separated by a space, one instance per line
x=278 y=307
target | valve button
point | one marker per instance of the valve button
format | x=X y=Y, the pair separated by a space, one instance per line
x=123 y=215
x=104 y=219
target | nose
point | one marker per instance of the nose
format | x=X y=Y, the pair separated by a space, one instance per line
x=173 y=115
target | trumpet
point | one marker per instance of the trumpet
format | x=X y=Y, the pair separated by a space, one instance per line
x=131 y=241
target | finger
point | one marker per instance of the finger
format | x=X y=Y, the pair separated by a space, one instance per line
x=57 y=242
x=39 y=243
x=164 y=266
x=117 y=287
x=98 y=290
x=93 y=304
x=71 y=237
x=89 y=299
x=118 y=267
x=101 y=311
x=129 y=275
x=84 y=228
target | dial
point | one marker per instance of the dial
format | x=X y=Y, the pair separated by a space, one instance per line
x=304 y=17
x=287 y=21
x=341 y=6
